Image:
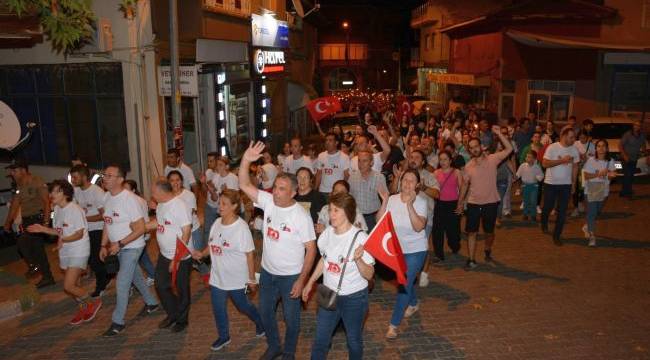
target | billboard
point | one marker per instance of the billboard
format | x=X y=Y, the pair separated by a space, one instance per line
x=267 y=31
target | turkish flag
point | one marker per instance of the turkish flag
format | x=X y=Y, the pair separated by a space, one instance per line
x=181 y=252
x=323 y=107
x=404 y=108
x=383 y=245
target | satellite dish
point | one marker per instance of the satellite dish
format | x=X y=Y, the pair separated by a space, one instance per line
x=9 y=127
x=297 y=4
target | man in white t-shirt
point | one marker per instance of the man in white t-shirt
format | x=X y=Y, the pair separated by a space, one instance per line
x=289 y=249
x=173 y=221
x=174 y=162
x=123 y=235
x=331 y=166
x=211 y=210
x=90 y=198
x=362 y=143
x=296 y=160
x=561 y=162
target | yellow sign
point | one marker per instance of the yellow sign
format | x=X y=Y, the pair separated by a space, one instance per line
x=459 y=79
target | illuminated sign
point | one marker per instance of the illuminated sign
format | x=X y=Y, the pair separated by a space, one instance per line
x=269 y=32
x=267 y=61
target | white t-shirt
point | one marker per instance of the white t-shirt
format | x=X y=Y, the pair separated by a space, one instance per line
x=560 y=174
x=190 y=203
x=377 y=163
x=334 y=248
x=530 y=174
x=286 y=230
x=91 y=200
x=171 y=216
x=271 y=172
x=186 y=171
x=409 y=240
x=281 y=159
x=67 y=221
x=593 y=166
x=119 y=212
x=209 y=174
x=291 y=165
x=332 y=167
x=230 y=181
x=324 y=218
x=228 y=247
x=588 y=149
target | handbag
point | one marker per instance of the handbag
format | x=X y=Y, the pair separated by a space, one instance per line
x=327 y=297
x=112 y=264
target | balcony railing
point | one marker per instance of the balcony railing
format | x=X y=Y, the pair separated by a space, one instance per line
x=423 y=15
x=238 y=8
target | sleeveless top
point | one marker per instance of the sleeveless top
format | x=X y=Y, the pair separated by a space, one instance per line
x=448 y=185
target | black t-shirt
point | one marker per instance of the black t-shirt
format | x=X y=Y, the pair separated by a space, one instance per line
x=458 y=162
x=312 y=201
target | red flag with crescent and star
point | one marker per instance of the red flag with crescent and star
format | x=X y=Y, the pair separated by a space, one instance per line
x=181 y=252
x=404 y=108
x=383 y=245
x=323 y=107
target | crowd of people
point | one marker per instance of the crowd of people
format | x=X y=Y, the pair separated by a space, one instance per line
x=314 y=212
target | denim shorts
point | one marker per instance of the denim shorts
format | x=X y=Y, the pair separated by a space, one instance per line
x=73 y=261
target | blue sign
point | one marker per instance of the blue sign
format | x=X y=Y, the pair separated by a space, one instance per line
x=267 y=31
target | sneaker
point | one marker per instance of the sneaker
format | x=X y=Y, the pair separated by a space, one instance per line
x=79 y=316
x=219 y=344
x=585 y=230
x=539 y=210
x=114 y=330
x=271 y=354
x=32 y=272
x=165 y=323
x=46 y=281
x=149 y=281
x=148 y=310
x=178 y=327
x=391 y=333
x=259 y=332
x=97 y=293
x=488 y=256
x=410 y=310
x=517 y=192
x=470 y=264
x=424 y=279
x=592 y=241
x=92 y=309
x=498 y=223
x=507 y=214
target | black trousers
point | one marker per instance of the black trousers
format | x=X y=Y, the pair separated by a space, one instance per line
x=96 y=265
x=177 y=307
x=446 y=222
x=560 y=195
x=32 y=247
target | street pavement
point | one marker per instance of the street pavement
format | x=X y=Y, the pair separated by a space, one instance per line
x=538 y=301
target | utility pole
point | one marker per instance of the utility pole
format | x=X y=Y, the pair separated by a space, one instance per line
x=175 y=85
x=399 y=70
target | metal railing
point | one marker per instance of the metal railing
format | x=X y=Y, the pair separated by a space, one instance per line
x=239 y=8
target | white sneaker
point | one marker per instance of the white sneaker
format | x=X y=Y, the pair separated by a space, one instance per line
x=150 y=281
x=424 y=279
x=592 y=241
x=585 y=230
x=391 y=333
x=521 y=207
x=539 y=210
x=410 y=310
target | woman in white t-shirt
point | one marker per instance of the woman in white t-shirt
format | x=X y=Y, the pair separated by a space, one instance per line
x=597 y=172
x=73 y=245
x=340 y=186
x=231 y=250
x=409 y=213
x=175 y=178
x=338 y=254
x=267 y=172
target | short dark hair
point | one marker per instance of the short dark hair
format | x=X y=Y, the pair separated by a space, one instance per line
x=174 y=151
x=343 y=183
x=303 y=168
x=587 y=122
x=533 y=153
x=81 y=170
x=133 y=185
x=473 y=138
x=213 y=154
x=346 y=202
x=450 y=144
x=64 y=186
x=120 y=170
x=566 y=130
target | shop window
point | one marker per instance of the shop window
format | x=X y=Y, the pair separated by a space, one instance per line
x=342 y=79
x=74 y=106
x=630 y=91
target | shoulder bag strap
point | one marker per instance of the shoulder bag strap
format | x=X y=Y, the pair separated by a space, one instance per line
x=345 y=264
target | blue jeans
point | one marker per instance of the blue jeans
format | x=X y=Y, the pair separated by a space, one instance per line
x=628 y=178
x=593 y=209
x=529 y=195
x=147 y=264
x=406 y=293
x=552 y=194
x=273 y=288
x=129 y=273
x=199 y=244
x=209 y=216
x=352 y=309
x=502 y=188
x=220 y=309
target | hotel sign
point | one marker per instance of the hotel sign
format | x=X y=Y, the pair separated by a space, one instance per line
x=268 y=61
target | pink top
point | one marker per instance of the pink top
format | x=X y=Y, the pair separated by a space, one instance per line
x=482 y=178
x=448 y=185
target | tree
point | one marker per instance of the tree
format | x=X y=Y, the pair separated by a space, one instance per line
x=67 y=23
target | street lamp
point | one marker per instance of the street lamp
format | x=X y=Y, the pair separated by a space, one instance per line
x=346 y=28
x=539 y=104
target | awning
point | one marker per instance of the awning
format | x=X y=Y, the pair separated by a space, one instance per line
x=459 y=79
x=546 y=41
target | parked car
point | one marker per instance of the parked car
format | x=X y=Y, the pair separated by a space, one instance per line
x=612 y=129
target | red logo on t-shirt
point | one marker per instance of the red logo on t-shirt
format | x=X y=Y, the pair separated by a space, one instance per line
x=115 y=214
x=108 y=220
x=216 y=249
x=273 y=234
x=167 y=222
x=226 y=244
x=333 y=268
x=59 y=231
x=329 y=171
x=161 y=229
x=65 y=225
